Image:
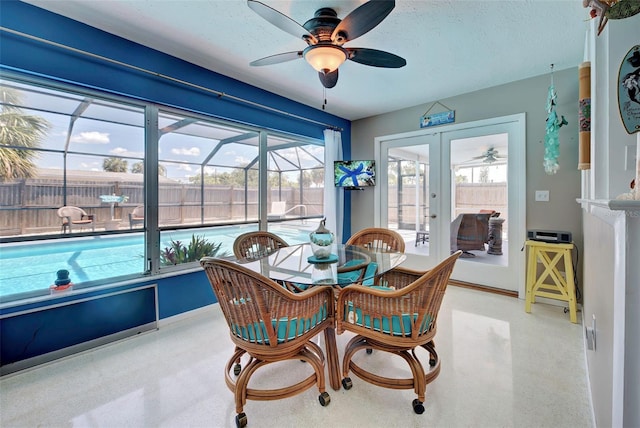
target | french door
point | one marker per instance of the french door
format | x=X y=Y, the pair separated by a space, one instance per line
x=430 y=179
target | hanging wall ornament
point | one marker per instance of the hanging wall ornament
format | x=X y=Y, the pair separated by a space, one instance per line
x=584 y=115
x=551 y=141
x=629 y=90
x=611 y=9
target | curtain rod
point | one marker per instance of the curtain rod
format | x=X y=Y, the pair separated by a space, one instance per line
x=172 y=79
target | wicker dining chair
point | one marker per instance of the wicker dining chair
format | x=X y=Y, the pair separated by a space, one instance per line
x=269 y=324
x=258 y=244
x=375 y=238
x=378 y=238
x=396 y=316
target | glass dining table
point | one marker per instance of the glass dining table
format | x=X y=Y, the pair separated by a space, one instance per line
x=296 y=264
x=347 y=264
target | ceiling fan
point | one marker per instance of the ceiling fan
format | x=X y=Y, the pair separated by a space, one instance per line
x=490 y=155
x=325 y=35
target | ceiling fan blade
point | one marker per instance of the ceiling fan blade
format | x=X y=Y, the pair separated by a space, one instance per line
x=280 y=20
x=277 y=59
x=329 y=80
x=362 y=19
x=376 y=58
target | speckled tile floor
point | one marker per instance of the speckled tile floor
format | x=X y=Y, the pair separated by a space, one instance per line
x=501 y=367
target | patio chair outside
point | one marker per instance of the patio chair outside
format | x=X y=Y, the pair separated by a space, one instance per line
x=136 y=216
x=279 y=210
x=470 y=232
x=75 y=216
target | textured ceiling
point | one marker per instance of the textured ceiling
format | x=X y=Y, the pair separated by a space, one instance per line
x=451 y=47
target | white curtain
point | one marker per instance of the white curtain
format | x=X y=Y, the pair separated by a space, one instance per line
x=333 y=196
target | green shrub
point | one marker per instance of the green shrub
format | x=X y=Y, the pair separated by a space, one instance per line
x=198 y=248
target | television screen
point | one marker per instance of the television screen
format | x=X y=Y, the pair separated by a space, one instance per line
x=355 y=173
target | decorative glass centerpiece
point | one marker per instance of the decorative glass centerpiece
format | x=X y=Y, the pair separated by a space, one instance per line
x=321 y=240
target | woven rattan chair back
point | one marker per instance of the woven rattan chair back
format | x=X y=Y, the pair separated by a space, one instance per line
x=255 y=245
x=378 y=238
x=267 y=324
x=397 y=315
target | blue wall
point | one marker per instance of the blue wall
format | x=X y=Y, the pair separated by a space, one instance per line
x=18 y=53
x=36 y=57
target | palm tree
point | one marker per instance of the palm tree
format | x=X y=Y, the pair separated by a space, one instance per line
x=114 y=165
x=138 y=168
x=18 y=130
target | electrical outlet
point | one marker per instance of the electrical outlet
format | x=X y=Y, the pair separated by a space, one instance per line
x=542 y=195
x=590 y=333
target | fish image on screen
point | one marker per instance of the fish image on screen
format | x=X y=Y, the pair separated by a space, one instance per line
x=355 y=173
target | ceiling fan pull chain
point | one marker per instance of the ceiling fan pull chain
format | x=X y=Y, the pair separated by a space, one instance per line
x=324 y=95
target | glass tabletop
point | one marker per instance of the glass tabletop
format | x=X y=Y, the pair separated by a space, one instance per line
x=292 y=264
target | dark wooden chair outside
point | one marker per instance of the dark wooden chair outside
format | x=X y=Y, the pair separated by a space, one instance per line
x=396 y=316
x=269 y=324
x=256 y=245
x=470 y=232
x=74 y=216
x=136 y=216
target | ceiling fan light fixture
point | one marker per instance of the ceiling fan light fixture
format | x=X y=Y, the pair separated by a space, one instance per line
x=325 y=58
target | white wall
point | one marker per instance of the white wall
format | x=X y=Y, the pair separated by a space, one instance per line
x=609 y=177
x=528 y=96
x=612 y=240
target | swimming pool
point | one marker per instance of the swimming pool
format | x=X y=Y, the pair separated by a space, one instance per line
x=32 y=266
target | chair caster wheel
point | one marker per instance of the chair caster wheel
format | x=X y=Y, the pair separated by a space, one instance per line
x=346 y=383
x=369 y=351
x=241 y=420
x=237 y=369
x=418 y=407
x=432 y=362
x=324 y=399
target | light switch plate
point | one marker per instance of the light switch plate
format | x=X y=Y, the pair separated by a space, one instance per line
x=542 y=195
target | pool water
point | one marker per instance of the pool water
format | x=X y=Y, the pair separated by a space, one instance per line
x=32 y=266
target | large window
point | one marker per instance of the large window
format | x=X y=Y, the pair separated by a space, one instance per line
x=144 y=188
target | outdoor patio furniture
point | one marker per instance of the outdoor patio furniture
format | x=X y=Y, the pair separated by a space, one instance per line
x=136 y=216
x=279 y=210
x=75 y=216
x=470 y=232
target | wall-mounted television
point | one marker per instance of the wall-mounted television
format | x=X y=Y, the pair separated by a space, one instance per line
x=355 y=173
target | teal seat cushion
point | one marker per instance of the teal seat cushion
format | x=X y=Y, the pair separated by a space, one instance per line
x=257 y=333
x=396 y=326
x=370 y=274
x=345 y=278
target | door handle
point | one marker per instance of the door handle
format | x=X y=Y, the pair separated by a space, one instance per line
x=433 y=216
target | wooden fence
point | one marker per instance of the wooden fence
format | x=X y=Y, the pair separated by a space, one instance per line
x=30 y=206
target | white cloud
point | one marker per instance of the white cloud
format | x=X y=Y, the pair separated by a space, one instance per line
x=90 y=165
x=121 y=151
x=241 y=161
x=183 y=167
x=193 y=151
x=91 y=137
